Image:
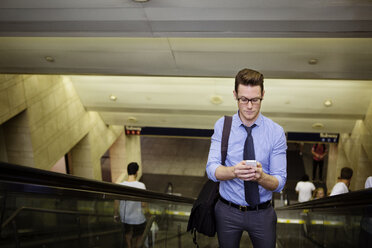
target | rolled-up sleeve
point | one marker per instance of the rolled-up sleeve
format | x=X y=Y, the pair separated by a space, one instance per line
x=214 y=157
x=278 y=160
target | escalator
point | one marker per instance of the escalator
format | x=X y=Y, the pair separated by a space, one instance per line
x=46 y=209
x=338 y=221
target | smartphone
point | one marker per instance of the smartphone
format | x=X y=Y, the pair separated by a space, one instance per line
x=251 y=162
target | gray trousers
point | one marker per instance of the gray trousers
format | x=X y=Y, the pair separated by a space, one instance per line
x=231 y=222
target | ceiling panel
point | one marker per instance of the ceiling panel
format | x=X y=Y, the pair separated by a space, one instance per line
x=188 y=102
x=194 y=49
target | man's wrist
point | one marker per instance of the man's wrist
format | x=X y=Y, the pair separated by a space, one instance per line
x=233 y=171
x=262 y=178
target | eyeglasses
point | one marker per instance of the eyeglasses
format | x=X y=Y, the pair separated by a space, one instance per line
x=254 y=101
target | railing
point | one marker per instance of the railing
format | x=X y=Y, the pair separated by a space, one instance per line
x=46 y=209
x=79 y=236
x=31 y=180
x=338 y=221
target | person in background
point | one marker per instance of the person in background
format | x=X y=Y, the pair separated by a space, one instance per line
x=304 y=188
x=318 y=193
x=246 y=190
x=342 y=186
x=319 y=151
x=130 y=213
x=169 y=188
x=368 y=183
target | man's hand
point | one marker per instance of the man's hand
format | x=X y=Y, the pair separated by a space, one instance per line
x=259 y=172
x=248 y=172
x=117 y=218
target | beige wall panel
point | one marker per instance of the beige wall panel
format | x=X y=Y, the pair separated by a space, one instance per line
x=60 y=96
x=133 y=151
x=16 y=96
x=35 y=113
x=363 y=171
x=42 y=159
x=12 y=100
x=54 y=152
x=62 y=121
x=51 y=128
x=332 y=168
x=97 y=171
x=4 y=104
x=31 y=86
x=367 y=137
x=6 y=80
x=368 y=119
x=55 y=121
x=354 y=155
x=84 y=171
x=21 y=158
x=48 y=104
x=117 y=159
x=18 y=141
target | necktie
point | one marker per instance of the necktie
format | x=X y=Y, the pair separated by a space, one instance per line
x=252 y=196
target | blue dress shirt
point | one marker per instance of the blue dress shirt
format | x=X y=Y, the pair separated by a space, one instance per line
x=270 y=150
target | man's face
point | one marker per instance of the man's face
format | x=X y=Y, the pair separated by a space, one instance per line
x=248 y=111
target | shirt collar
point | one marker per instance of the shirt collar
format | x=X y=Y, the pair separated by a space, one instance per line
x=237 y=122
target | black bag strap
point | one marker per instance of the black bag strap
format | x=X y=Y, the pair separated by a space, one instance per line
x=224 y=146
x=225 y=138
x=194 y=238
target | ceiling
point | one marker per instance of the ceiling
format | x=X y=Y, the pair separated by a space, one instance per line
x=172 y=63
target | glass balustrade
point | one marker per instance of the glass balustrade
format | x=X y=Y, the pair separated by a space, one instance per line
x=45 y=209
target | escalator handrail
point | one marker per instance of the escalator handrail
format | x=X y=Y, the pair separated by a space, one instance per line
x=358 y=198
x=17 y=174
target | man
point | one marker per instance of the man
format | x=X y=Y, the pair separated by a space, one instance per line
x=343 y=182
x=131 y=214
x=304 y=188
x=233 y=213
x=319 y=151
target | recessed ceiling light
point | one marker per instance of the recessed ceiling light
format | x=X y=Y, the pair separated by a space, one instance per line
x=216 y=99
x=49 y=59
x=141 y=1
x=327 y=103
x=132 y=119
x=317 y=125
x=313 y=61
x=113 y=98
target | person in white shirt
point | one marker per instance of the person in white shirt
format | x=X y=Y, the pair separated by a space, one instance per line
x=304 y=188
x=342 y=186
x=368 y=183
x=131 y=213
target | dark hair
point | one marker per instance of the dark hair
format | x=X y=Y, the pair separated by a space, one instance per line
x=305 y=178
x=249 y=77
x=346 y=173
x=132 y=168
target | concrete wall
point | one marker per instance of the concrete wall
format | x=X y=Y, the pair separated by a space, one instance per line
x=12 y=96
x=126 y=149
x=354 y=151
x=174 y=156
x=43 y=119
